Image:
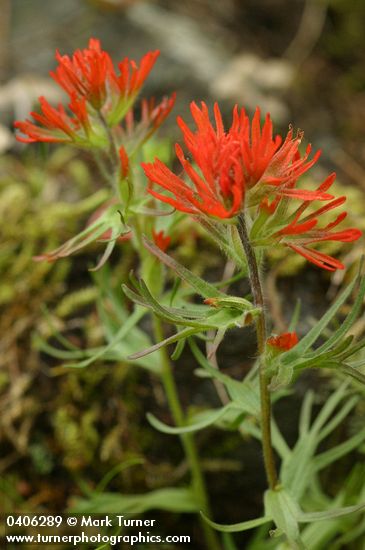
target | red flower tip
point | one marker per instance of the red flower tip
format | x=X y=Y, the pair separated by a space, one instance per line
x=124 y=163
x=267 y=206
x=161 y=240
x=283 y=342
x=211 y=302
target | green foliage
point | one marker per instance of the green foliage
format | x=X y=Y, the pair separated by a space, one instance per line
x=301 y=484
x=336 y=351
x=170 y=499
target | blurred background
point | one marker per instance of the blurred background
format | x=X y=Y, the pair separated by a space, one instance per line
x=301 y=60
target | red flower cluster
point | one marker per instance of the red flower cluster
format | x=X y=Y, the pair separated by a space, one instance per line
x=96 y=91
x=90 y=74
x=237 y=166
x=283 y=342
x=247 y=166
x=299 y=231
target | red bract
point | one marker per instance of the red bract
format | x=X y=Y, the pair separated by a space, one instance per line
x=268 y=161
x=124 y=163
x=96 y=92
x=132 y=77
x=56 y=124
x=218 y=190
x=303 y=231
x=86 y=73
x=161 y=240
x=283 y=342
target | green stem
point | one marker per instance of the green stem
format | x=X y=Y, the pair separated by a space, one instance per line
x=265 y=400
x=168 y=380
x=113 y=151
x=187 y=440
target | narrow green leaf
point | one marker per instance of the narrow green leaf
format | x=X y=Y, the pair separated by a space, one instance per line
x=119 y=468
x=336 y=420
x=324 y=459
x=354 y=373
x=122 y=333
x=201 y=287
x=178 y=349
x=237 y=527
x=305 y=414
x=330 y=514
x=170 y=499
x=242 y=392
x=171 y=340
x=295 y=316
x=350 y=319
x=207 y=419
x=309 y=339
x=329 y=407
x=317 y=360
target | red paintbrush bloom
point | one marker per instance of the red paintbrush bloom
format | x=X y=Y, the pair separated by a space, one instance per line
x=300 y=231
x=269 y=164
x=86 y=73
x=94 y=88
x=218 y=187
x=161 y=240
x=244 y=163
x=90 y=74
x=56 y=125
x=283 y=342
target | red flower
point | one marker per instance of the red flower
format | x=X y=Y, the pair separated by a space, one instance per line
x=219 y=187
x=85 y=74
x=56 y=124
x=90 y=74
x=269 y=164
x=303 y=231
x=244 y=163
x=283 y=342
x=161 y=240
x=93 y=85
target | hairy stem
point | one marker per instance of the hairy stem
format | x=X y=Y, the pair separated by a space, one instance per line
x=265 y=401
x=187 y=440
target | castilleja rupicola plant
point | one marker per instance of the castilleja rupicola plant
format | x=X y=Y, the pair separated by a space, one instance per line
x=249 y=190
